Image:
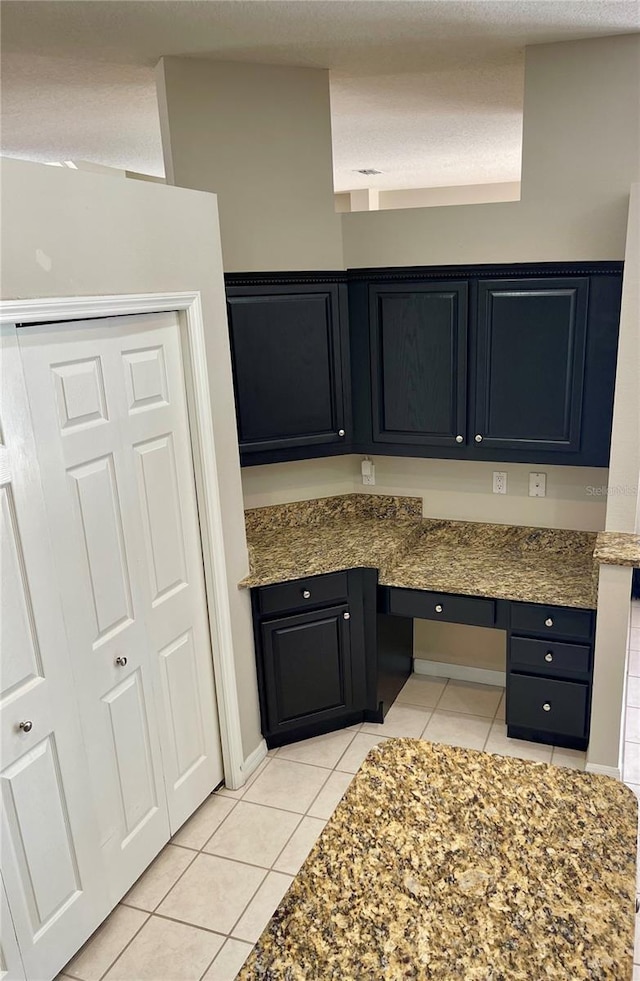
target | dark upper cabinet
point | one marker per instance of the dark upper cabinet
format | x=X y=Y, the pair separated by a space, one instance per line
x=530 y=339
x=418 y=341
x=289 y=353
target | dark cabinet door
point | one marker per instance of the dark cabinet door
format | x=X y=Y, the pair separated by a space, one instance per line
x=530 y=353
x=419 y=363
x=307 y=668
x=288 y=365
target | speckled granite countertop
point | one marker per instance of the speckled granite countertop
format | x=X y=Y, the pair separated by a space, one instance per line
x=443 y=863
x=537 y=565
x=617 y=548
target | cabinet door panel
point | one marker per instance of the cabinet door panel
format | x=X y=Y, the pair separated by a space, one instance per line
x=307 y=667
x=418 y=362
x=530 y=354
x=287 y=366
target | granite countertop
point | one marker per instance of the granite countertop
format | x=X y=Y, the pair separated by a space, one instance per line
x=537 y=565
x=443 y=863
x=617 y=548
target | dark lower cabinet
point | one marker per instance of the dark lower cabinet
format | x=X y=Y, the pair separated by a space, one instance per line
x=549 y=675
x=325 y=657
x=307 y=668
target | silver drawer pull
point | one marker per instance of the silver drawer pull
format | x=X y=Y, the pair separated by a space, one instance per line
x=346 y=616
x=439 y=607
x=341 y=432
x=459 y=439
x=306 y=593
x=548 y=622
x=478 y=438
x=549 y=656
x=26 y=726
x=546 y=707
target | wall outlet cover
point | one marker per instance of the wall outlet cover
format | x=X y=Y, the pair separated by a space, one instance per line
x=537 y=484
x=499 y=482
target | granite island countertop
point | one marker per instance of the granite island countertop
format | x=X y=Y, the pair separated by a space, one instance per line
x=538 y=565
x=443 y=863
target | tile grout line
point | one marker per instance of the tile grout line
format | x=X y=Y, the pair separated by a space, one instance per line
x=129 y=942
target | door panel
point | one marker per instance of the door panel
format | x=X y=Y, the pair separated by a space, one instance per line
x=307 y=666
x=11 y=966
x=48 y=866
x=50 y=846
x=418 y=362
x=287 y=366
x=180 y=686
x=530 y=364
x=132 y=519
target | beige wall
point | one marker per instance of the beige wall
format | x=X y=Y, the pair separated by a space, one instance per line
x=454 y=489
x=68 y=233
x=580 y=156
x=459 y=644
x=432 y=197
x=259 y=136
x=623 y=508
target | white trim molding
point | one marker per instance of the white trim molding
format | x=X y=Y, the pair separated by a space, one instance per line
x=211 y=524
x=604 y=771
x=459 y=672
x=254 y=760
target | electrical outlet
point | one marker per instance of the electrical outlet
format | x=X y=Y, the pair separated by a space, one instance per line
x=537 y=485
x=499 y=482
x=368 y=472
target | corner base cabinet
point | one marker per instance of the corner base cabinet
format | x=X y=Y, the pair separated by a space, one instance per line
x=324 y=661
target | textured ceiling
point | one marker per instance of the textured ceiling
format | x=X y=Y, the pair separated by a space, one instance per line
x=428 y=92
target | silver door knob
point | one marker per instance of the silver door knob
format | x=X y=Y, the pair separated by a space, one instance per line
x=478 y=438
x=459 y=439
x=306 y=593
x=546 y=707
x=548 y=622
x=439 y=608
x=341 y=432
x=548 y=657
x=121 y=661
x=26 y=726
x=346 y=616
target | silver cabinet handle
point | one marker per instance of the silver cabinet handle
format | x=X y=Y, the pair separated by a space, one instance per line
x=306 y=593
x=26 y=726
x=346 y=616
x=478 y=438
x=546 y=707
x=549 y=656
x=548 y=622
x=341 y=432
x=459 y=439
x=121 y=661
x=439 y=608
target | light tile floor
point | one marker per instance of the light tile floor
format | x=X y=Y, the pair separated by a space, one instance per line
x=203 y=903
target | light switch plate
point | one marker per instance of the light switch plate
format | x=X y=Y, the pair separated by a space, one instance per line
x=537 y=485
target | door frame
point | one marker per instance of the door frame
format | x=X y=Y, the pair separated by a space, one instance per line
x=189 y=306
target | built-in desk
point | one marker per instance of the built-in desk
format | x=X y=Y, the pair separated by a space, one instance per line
x=549 y=657
x=336 y=585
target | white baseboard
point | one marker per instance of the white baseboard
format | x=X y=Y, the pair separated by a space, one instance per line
x=605 y=771
x=253 y=760
x=459 y=672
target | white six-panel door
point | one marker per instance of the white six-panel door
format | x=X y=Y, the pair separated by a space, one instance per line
x=51 y=861
x=109 y=413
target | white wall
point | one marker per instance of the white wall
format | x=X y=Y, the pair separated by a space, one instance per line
x=259 y=136
x=580 y=156
x=68 y=233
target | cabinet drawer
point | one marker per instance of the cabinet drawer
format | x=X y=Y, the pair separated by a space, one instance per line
x=547 y=705
x=549 y=657
x=442 y=606
x=552 y=621
x=293 y=595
